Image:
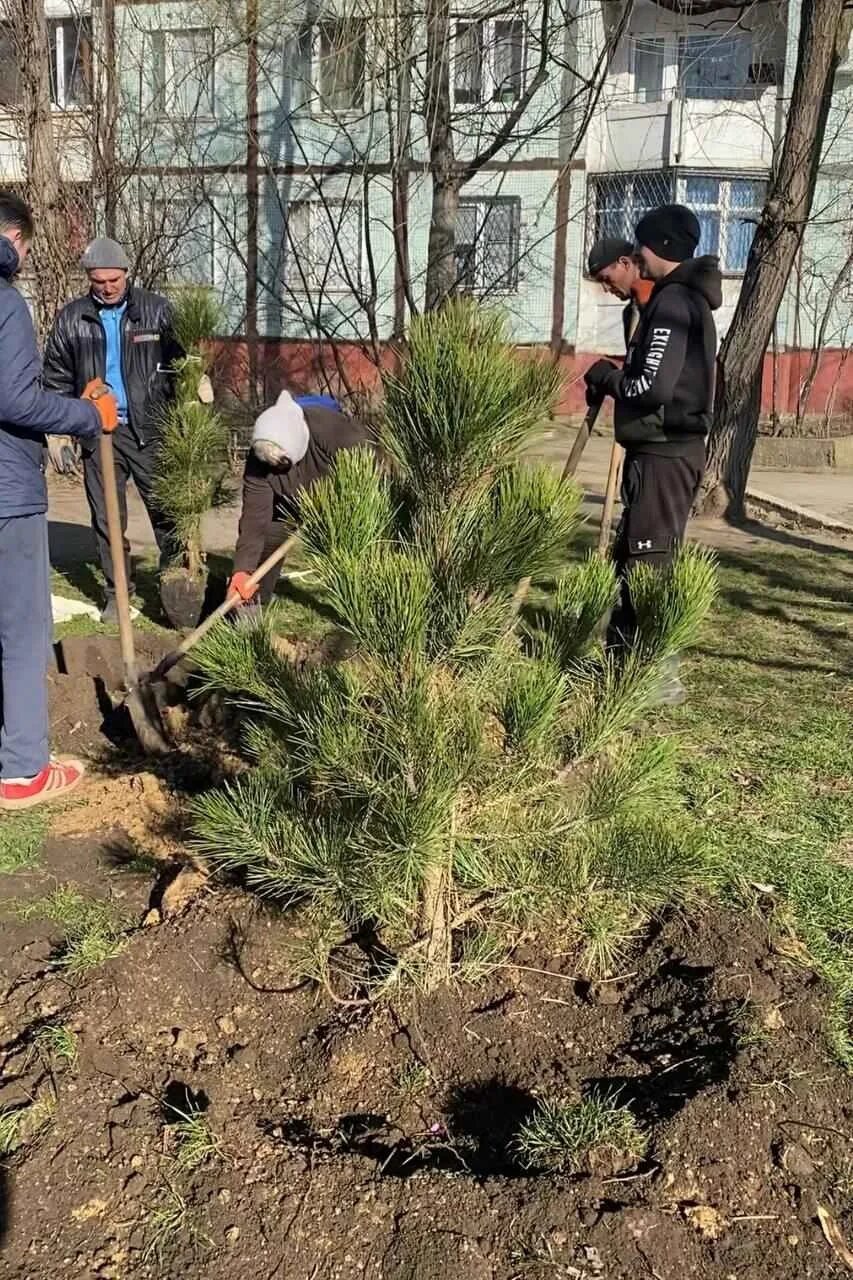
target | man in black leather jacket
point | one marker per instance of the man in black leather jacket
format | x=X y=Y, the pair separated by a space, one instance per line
x=124 y=335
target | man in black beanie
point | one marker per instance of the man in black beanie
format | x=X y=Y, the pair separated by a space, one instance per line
x=663 y=402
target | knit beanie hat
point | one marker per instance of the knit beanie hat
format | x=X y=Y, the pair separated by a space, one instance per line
x=606 y=251
x=672 y=232
x=281 y=432
x=104 y=254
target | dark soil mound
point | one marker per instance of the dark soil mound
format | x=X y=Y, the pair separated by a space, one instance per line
x=380 y=1143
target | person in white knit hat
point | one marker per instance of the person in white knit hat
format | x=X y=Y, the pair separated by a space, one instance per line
x=293 y=444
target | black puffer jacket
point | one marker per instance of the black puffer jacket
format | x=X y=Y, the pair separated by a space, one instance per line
x=664 y=394
x=75 y=353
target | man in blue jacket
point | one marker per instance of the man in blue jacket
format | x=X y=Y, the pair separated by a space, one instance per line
x=28 y=775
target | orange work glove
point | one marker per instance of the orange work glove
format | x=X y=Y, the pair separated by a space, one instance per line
x=239 y=586
x=104 y=401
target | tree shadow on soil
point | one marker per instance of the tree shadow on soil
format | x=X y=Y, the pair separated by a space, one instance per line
x=475 y=1139
x=685 y=1038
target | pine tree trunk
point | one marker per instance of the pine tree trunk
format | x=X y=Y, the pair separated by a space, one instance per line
x=441 y=253
x=822 y=39
x=434 y=923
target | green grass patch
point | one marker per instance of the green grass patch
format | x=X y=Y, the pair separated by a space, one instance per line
x=195 y=1141
x=766 y=751
x=93 y=930
x=21 y=838
x=560 y=1135
x=57 y=1044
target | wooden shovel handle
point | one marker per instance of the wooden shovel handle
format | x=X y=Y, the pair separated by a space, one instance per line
x=584 y=432
x=227 y=605
x=116 y=539
x=617 y=453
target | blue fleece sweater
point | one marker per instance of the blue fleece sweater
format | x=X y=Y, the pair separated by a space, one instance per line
x=112 y=321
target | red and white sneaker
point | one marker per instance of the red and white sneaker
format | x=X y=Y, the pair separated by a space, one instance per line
x=56 y=780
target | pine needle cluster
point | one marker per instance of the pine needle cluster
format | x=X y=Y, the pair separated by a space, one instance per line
x=461 y=770
x=192 y=465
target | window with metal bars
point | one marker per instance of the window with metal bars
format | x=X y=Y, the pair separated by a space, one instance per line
x=727 y=206
x=488 y=241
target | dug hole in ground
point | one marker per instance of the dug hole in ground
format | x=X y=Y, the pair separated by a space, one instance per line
x=179 y=1100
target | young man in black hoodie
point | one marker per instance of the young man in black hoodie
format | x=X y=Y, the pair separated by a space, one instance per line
x=663 y=401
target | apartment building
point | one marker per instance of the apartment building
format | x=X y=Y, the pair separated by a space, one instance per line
x=279 y=155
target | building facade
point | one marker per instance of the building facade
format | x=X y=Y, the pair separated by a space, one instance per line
x=280 y=154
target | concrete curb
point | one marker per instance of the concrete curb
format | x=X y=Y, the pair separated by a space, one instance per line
x=798 y=515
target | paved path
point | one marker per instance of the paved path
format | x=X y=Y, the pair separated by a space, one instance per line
x=825 y=492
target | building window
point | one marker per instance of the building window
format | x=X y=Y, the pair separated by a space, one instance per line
x=619 y=201
x=70 y=61
x=488 y=60
x=70 y=53
x=488 y=238
x=181 y=71
x=647 y=59
x=339 y=48
x=322 y=249
x=712 y=66
x=10 y=84
x=184 y=229
x=727 y=208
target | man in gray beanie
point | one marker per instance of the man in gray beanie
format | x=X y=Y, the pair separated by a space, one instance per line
x=123 y=335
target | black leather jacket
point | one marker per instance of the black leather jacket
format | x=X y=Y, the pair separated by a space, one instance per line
x=75 y=353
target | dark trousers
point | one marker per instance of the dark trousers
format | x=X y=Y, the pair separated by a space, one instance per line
x=132 y=463
x=26 y=633
x=276 y=534
x=658 y=492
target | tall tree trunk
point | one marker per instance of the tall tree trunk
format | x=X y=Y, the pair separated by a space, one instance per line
x=256 y=394
x=441 y=253
x=107 y=121
x=51 y=258
x=822 y=39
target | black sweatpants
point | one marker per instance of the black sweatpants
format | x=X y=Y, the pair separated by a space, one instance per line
x=658 y=491
x=136 y=463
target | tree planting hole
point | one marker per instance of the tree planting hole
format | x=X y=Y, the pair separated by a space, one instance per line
x=182 y=1100
x=475 y=1137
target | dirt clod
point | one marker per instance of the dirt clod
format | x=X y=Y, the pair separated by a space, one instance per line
x=179 y=894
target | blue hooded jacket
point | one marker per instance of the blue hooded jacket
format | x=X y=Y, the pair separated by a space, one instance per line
x=27 y=412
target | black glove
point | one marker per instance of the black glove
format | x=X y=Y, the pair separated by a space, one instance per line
x=598 y=377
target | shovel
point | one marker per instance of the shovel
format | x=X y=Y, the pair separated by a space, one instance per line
x=140 y=698
x=144 y=717
x=584 y=432
x=230 y=602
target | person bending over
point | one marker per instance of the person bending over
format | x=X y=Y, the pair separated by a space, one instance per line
x=293 y=445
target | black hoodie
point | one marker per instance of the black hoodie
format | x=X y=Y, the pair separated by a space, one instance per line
x=664 y=394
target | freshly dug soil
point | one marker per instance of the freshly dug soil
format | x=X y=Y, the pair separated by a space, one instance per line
x=378 y=1143
x=84 y=690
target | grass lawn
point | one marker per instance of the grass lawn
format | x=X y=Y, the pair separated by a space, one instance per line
x=767 y=746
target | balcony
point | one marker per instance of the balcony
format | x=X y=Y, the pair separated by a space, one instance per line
x=725 y=133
